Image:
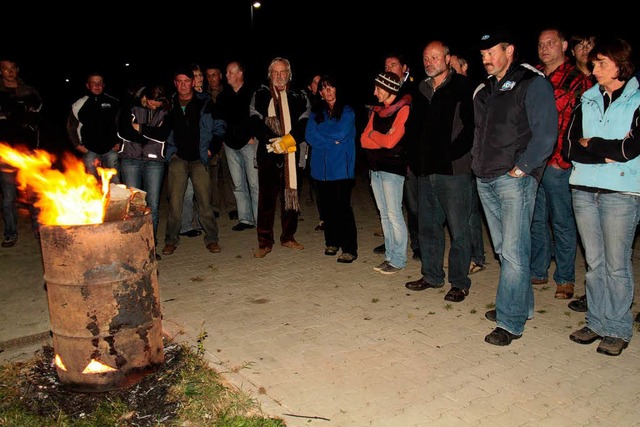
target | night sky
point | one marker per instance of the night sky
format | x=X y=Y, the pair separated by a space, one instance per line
x=314 y=36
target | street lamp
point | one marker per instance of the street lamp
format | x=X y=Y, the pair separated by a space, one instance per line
x=254 y=5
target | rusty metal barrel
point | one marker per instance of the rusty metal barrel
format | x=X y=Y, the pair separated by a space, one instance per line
x=104 y=303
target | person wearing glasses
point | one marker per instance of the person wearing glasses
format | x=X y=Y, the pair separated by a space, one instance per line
x=553 y=230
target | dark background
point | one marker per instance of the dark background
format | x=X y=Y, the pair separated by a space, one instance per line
x=57 y=45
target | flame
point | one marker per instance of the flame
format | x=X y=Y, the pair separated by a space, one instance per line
x=59 y=364
x=70 y=196
x=95 y=367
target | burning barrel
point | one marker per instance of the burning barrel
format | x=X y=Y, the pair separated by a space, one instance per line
x=104 y=305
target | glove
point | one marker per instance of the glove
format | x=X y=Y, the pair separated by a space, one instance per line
x=284 y=144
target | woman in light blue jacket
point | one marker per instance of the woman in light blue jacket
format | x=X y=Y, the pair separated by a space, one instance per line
x=604 y=147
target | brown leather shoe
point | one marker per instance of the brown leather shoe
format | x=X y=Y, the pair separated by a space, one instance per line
x=169 y=249
x=539 y=281
x=292 y=244
x=262 y=252
x=564 y=291
x=214 y=247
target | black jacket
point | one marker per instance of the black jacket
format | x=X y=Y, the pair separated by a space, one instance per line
x=516 y=123
x=93 y=122
x=440 y=128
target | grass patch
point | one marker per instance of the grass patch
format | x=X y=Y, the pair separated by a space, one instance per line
x=184 y=391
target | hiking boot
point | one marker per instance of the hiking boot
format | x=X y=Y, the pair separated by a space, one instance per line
x=389 y=269
x=612 y=346
x=584 y=336
x=380 y=266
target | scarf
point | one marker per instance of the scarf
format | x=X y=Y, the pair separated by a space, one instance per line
x=279 y=121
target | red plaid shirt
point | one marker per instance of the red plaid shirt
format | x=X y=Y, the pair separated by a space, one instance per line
x=568 y=85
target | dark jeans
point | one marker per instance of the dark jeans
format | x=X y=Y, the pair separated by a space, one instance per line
x=339 y=222
x=411 y=206
x=475 y=227
x=445 y=198
x=271 y=186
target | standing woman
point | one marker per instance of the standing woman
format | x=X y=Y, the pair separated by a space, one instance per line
x=143 y=131
x=603 y=146
x=382 y=141
x=331 y=132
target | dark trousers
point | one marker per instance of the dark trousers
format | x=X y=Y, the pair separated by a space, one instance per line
x=334 y=197
x=271 y=186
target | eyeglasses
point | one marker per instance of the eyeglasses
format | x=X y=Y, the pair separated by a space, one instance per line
x=548 y=44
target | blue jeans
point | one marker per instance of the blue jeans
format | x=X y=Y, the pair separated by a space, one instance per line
x=107 y=160
x=178 y=174
x=387 y=190
x=9 y=203
x=445 y=199
x=146 y=176
x=553 y=204
x=475 y=227
x=508 y=206
x=411 y=206
x=607 y=224
x=245 y=181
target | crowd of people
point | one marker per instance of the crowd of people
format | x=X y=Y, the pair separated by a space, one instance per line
x=546 y=154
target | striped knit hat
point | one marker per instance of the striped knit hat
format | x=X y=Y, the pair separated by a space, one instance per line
x=388 y=81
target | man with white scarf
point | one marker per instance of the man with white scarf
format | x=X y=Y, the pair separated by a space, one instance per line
x=279 y=116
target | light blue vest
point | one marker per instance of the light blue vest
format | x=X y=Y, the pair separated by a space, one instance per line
x=614 y=123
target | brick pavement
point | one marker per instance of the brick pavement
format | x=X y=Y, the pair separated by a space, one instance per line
x=320 y=343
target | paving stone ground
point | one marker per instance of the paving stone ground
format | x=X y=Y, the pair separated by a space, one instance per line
x=320 y=343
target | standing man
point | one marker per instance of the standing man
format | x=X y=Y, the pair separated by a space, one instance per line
x=196 y=128
x=516 y=127
x=279 y=116
x=221 y=181
x=240 y=146
x=92 y=127
x=553 y=200
x=440 y=135
x=20 y=106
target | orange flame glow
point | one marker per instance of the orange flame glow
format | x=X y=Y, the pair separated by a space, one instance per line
x=95 y=367
x=70 y=196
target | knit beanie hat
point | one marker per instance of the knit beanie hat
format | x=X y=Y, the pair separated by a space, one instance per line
x=388 y=81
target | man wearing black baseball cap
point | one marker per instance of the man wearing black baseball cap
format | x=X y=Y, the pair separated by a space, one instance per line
x=516 y=129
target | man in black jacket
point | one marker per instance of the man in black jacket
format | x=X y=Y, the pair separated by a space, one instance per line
x=440 y=135
x=92 y=127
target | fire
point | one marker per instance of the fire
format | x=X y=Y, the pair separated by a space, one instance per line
x=95 y=367
x=70 y=196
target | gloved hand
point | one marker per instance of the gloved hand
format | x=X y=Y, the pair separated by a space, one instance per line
x=284 y=144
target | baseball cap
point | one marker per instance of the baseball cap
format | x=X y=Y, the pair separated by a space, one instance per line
x=494 y=37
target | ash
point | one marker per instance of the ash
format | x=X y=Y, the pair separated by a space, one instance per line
x=148 y=401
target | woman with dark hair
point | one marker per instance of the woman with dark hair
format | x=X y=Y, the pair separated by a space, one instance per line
x=602 y=144
x=142 y=129
x=331 y=132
